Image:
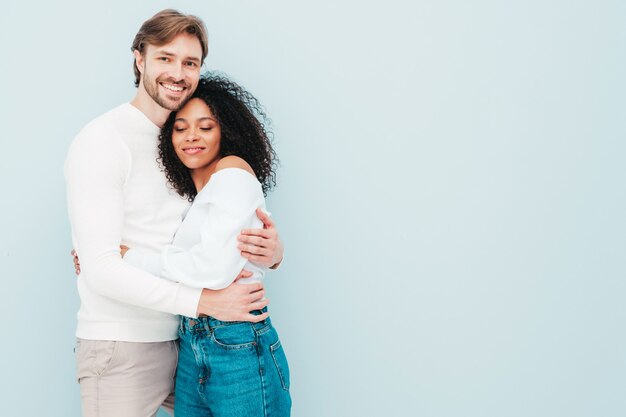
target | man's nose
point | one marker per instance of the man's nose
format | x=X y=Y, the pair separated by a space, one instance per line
x=176 y=72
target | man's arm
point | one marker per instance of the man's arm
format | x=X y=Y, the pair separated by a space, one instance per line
x=96 y=169
x=232 y=303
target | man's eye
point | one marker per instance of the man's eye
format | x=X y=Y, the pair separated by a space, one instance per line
x=191 y=64
x=164 y=59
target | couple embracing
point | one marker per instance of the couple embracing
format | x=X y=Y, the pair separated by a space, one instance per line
x=166 y=203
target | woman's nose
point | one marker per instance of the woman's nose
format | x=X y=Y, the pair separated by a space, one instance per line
x=192 y=136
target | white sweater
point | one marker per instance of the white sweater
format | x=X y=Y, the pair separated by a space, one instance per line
x=204 y=252
x=116 y=195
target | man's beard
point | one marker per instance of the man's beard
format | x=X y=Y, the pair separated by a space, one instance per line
x=152 y=88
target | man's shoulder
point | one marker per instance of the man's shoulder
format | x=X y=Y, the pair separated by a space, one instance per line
x=101 y=135
x=107 y=121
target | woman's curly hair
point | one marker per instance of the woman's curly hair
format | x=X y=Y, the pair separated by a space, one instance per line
x=244 y=134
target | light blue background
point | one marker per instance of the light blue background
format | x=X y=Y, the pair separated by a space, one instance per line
x=451 y=196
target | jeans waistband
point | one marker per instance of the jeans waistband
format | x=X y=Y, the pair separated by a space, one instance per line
x=197 y=324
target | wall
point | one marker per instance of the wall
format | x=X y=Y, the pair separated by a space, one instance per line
x=451 y=196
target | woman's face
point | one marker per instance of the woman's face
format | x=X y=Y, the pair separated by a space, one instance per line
x=196 y=135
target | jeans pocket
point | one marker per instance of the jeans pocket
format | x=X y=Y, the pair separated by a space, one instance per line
x=235 y=336
x=280 y=360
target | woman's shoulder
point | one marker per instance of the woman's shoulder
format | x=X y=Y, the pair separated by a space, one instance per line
x=233 y=161
x=232 y=173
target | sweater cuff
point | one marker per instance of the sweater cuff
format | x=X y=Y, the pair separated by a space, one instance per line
x=187 y=300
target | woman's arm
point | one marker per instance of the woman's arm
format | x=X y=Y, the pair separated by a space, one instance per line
x=215 y=261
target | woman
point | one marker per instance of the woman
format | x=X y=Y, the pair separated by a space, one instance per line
x=217 y=153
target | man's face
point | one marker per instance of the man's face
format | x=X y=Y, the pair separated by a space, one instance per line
x=170 y=72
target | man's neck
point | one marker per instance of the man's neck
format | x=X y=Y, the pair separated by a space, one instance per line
x=153 y=111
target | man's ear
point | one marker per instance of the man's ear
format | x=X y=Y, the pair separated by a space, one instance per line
x=139 y=61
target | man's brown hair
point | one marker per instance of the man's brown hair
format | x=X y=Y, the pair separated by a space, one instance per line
x=165 y=26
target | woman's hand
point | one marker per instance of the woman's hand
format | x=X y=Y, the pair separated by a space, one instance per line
x=123 y=250
x=262 y=246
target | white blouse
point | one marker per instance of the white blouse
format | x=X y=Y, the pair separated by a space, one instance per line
x=204 y=252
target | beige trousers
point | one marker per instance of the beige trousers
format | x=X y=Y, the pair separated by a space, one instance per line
x=126 y=379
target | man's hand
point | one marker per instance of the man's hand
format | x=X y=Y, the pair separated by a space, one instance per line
x=262 y=246
x=76 y=262
x=235 y=302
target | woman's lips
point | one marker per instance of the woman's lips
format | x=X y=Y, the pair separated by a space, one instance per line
x=193 y=151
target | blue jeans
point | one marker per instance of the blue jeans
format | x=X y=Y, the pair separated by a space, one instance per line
x=231 y=369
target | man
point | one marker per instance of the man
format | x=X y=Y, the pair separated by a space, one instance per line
x=127 y=324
